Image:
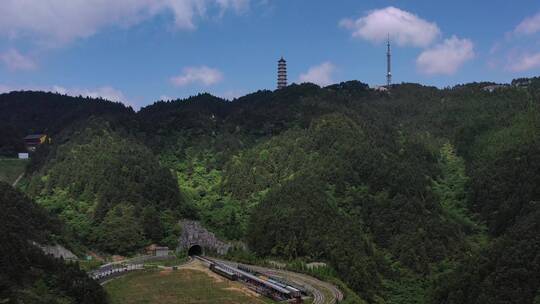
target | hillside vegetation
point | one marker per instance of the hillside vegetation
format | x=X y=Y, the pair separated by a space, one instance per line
x=420 y=195
x=28 y=275
x=11 y=169
x=108 y=188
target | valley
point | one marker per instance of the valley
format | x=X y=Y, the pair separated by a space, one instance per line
x=265 y=152
x=192 y=283
x=407 y=196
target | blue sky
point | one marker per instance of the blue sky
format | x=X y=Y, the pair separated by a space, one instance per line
x=139 y=51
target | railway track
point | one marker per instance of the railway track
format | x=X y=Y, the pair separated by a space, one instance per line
x=323 y=292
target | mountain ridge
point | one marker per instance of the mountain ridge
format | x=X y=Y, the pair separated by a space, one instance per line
x=404 y=172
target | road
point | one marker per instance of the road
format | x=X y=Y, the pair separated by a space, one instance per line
x=17 y=180
x=323 y=292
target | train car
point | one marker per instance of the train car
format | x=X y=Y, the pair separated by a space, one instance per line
x=248 y=269
x=262 y=285
x=295 y=293
x=291 y=285
x=223 y=272
x=276 y=282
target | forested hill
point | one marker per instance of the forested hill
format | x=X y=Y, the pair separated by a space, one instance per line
x=28 y=275
x=27 y=112
x=110 y=189
x=416 y=195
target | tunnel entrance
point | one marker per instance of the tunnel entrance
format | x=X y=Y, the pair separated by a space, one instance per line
x=195 y=250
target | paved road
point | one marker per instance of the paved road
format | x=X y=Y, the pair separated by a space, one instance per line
x=17 y=180
x=323 y=292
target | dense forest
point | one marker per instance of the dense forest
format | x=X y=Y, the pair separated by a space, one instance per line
x=416 y=195
x=28 y=275
x=108 y=188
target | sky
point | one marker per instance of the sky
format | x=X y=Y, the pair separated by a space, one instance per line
x=140 y=51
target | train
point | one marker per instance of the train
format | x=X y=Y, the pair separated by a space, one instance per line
x=255 y=280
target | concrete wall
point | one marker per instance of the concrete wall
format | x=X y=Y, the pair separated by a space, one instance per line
x=58 y=251
x=194 y=234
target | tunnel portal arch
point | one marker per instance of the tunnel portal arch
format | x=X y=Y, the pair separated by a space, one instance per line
x=194 y=234
x=195 y=250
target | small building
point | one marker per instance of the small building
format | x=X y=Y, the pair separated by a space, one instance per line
x=381 y=88
x=162 y=251
x=155 y=250
x=23 y=155
x=34 y=140
x=493 y=87
x=522 y=82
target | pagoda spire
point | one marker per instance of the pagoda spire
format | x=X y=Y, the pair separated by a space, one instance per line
x=282 y=74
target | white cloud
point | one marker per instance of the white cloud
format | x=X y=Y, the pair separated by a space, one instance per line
x=518 y=49
x=524 y=62
x=166 y=98
x=237 y=5
x=232 y=94
x=403 y=27
x=105 y=92
x=529 y=25
x=203 y=75
x=17 y=61
x=320 y=74
x=445 y=58
x=60 y=21
x=5 y=88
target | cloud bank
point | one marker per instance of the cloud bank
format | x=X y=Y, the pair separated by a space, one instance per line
x=524 y=62
x=15 y=61
x=105 y=92
x=320 y=74
x=408 y=29
x=405 y=28
x=529 y=25
x=447 y=57
x=59 y=21
x=197 y=75
x=519 y=50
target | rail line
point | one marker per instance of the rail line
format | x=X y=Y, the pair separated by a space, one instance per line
x=261 y=284
x=322 y=292
x=274 y=283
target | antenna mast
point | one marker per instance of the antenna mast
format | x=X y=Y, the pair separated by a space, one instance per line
x=388 y=63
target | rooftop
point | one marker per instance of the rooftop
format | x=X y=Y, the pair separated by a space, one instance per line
x=34 y=136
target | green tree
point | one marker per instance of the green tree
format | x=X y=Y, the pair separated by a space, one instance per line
x=28 y=275
x=451 y=186
x=151 y=224
x=120 y=231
